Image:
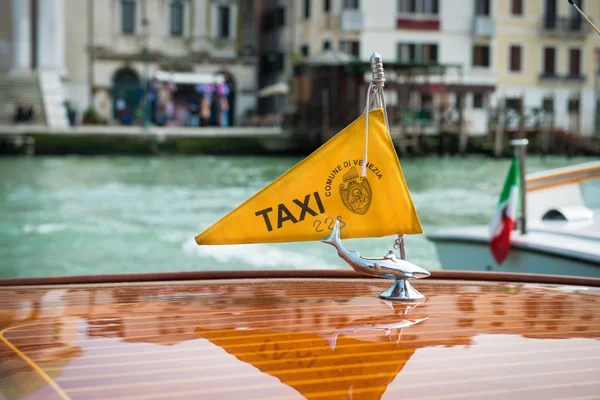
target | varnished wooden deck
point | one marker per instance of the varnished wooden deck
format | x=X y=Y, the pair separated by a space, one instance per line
x=299 y=338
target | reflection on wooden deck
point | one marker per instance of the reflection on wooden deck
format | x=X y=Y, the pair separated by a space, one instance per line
x=267 y=339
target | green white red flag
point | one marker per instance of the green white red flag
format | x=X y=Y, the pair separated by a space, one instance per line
x=505 y=217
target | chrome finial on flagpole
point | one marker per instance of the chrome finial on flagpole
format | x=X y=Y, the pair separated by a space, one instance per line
x=377 y=70
x=378 y=82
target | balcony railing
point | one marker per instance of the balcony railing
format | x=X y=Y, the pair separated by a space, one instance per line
x=483 y=26
x=565 y=26
x=569 y=77
x=352 y=20
x=412 y=21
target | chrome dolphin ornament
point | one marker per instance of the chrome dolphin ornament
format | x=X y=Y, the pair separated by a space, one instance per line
x=389 y=266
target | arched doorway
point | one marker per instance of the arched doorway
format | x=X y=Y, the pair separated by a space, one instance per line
x=127 y=92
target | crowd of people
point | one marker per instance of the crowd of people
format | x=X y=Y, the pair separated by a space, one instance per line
x=181 y=105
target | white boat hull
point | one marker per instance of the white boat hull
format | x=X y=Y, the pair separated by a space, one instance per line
x=472 y=256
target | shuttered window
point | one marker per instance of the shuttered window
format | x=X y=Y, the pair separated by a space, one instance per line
x=223 y=28
x=574 y=62
x=481 y=56
x=549 y=61
x=425 y=53
x=128 y=17
x=482 y=8
x=515 y=58
x=176 y=20
x=517 y=7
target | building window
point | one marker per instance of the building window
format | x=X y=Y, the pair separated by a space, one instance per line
x=326 y=45
x=550 y=14
x=515 y=58
x=128 y=17
x=429 y=53
x=280 y=17
x=482 y=8
x=481 y=56
x=305 y=50
x=354 y=4
x=478 y=101
x=176 y=23
x=223 y=22
x=326 y=6
x=549 y=61
x=574 y=62
x=351 y=47
x=514 y=103
x=306 y=9
x=516 y=7
x=573 y=105
x=428 y=7
x=407 y=6
x=407 y=52
x=418 y=53
x=548 y=105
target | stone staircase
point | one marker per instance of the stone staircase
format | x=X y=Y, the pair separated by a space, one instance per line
x=53 y=98
x=44 y=91
x=25 y=89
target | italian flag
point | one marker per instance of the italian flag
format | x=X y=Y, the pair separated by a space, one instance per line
x=506 y=214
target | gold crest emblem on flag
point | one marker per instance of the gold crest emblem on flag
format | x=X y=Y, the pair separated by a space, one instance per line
x=356 y=192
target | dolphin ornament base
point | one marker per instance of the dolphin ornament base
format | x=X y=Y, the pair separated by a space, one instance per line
x=401 y=289
x=389 y=266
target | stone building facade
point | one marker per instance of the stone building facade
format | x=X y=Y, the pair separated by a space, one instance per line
x=95 y=47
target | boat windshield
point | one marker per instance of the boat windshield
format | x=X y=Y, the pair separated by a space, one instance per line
x=590 y=191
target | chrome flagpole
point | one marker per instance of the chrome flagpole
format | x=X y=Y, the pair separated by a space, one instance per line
x=378 y=80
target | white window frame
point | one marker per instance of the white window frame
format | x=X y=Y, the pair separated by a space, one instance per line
x=233 y=10
x=420 y=10
x=419 y=51
x=185 y=22
x=137 y=23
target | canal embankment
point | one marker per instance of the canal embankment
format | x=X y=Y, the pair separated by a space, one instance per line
x=135 y=140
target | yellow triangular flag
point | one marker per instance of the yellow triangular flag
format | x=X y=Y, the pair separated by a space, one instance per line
x=303 y=203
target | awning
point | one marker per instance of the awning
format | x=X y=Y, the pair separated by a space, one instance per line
x=329 y=57
x=277 y=89
x=189 y=78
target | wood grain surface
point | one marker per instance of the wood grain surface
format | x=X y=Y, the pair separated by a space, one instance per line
x=280 y=338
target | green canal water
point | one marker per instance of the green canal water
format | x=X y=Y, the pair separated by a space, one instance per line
x=97 y=215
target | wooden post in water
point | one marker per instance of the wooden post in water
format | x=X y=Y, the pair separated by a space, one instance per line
x=499 y=137
x=578 y=115
x=552 y=136
x=401 y=107
x=545 y=127
x=522 y=133
x=325 y=115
